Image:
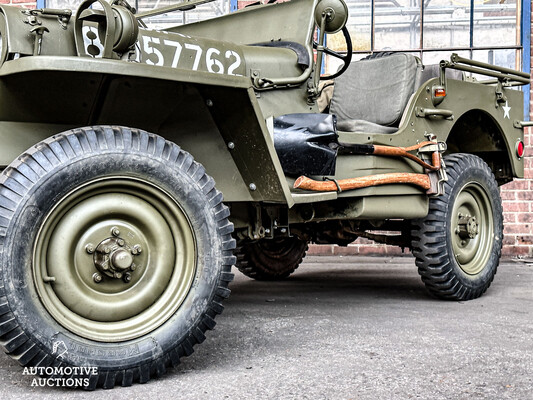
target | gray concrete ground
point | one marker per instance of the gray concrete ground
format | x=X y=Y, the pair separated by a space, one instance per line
x=347 y=328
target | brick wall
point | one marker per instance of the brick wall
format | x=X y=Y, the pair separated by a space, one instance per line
x=23 y=3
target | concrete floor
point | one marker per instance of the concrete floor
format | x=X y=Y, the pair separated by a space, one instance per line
x=347 y=328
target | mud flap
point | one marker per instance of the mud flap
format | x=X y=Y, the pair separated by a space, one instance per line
x=306 y=143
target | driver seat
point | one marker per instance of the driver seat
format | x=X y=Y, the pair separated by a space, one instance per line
x=371 y=96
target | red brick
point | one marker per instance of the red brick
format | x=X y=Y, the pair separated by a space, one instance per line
x=524 y=195
x=320 y=250
x=516 y=250
x=524 y=217
x=517 y=228
x=517 y=184
x=372 y=250
x=5 y=1
x=395 y=251
x=345 y=251
x=525 y=239
x=514 y=206
x=508 y=195
x=511 y=217
x=509 y=240
x=242 y=4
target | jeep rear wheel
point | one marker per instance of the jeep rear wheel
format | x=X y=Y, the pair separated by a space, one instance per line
x=271 y=259
x=116 y=249
x=458 y=245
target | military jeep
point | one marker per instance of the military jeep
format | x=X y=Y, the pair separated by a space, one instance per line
x=140 y=165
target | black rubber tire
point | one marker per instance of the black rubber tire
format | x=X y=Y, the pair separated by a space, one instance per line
x=432 y=236
x=31 y=185
x=271 y=259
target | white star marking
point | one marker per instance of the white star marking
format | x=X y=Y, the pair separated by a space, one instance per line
x=506 y=110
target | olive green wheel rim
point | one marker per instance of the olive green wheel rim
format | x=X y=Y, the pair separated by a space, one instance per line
x=114 y=259
x=472 y=226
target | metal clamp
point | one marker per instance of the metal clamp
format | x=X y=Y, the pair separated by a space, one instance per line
x=422 y=112
x=522 y=124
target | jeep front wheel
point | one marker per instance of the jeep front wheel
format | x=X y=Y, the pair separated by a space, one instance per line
x=458 y=245
x=116 y=254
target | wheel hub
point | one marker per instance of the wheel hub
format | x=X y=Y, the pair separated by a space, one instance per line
x=114 y=257
x=467 y=226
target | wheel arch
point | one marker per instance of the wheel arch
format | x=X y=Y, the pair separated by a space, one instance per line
x=477 y=132
x=202 y=117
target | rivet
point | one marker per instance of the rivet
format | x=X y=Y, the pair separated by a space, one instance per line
x=252 y=187
x=89 y=248
x=283 y=230
x=209 y=103
x=107 y=250
x=231 y=145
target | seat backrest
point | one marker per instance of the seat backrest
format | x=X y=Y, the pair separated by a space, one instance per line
x=376 y=90
x=433 y=71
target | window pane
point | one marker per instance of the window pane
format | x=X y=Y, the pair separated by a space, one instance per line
x=495 y=23
x=200 y=13
x=397 y=25
x=359 y=23
x=60 y=4
x=447 y=24
x=502 y=58
x=435 y=57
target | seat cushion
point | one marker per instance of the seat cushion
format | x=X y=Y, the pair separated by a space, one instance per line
x=359 y=125
x=376 y=90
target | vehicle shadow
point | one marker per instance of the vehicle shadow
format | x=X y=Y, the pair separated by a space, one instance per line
x=313 y=294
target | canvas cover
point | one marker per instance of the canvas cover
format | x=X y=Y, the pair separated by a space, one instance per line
x=375 y=92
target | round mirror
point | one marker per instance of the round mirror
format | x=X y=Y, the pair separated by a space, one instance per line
x=336 y=13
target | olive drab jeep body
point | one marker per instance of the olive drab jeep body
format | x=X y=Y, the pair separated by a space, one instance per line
x=140 y=165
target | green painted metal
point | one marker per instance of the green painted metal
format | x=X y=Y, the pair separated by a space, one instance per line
x=194 y=85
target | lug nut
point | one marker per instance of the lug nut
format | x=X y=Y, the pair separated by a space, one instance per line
x=137 y=248
x=133 y=267
x=107 y=250
x=115 y=231
x=97 y=277
x=89 y=248
x=120 y=242
x=127 y=277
